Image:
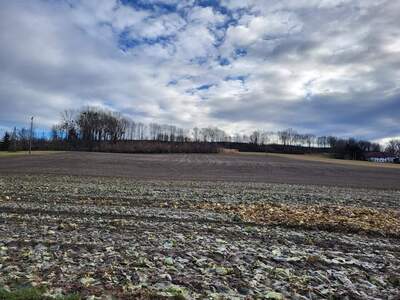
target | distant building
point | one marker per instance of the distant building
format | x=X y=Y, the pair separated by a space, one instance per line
x=381 y=157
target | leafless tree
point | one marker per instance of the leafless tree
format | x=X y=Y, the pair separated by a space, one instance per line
x=255 y=137
x=196 y=134
x=310 y=139
x=284 y=137
x=393 y=147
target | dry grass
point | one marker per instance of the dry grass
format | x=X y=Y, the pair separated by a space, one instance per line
x=321 y=217
x=325 y=158
x=229 y=151
x=25 y=153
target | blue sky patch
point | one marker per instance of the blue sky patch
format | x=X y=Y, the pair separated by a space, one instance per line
x=241 y=78
x=239 y=52
x=205 y=87
x=161 y=56
x=155 y=6
x=223 y=61
x=200 y=60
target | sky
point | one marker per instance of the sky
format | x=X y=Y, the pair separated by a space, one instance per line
x=327 y=67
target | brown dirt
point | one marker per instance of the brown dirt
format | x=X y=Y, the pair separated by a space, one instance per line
x=203 y=167
x=327 y=159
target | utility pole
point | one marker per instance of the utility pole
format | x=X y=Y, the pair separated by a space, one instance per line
x=30 y=137
x=14 y=139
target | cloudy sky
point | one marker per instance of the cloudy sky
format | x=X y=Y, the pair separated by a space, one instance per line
x=319 y=66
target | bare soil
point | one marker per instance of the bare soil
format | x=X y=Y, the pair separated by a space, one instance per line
x=328 y=159
x=198 y=227
x=204 y=167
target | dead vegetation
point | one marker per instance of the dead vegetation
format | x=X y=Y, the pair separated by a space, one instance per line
x=317 y=217
x=102 y=236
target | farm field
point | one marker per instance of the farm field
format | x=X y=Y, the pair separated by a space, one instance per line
x=199 y=227
x=327 y=159
x=203 y=167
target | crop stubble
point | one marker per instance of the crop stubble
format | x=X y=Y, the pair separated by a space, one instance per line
x=186 y=236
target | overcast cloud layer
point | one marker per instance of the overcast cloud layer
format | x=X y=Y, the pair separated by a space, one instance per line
x=319 y=66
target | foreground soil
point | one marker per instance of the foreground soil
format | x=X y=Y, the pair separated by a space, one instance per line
x=203 y=167
x=156 y=239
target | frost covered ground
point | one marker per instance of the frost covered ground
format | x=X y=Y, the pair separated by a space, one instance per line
x=129 y=238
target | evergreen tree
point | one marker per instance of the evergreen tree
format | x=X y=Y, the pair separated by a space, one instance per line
x=5 y=144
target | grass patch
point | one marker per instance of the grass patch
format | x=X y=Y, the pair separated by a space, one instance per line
x=25 y=153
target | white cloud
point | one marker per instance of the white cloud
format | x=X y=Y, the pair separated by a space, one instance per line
x=256 y=28
x=299 y=60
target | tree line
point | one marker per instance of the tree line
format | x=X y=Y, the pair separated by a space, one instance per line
x=92 y=128
x=95 y=124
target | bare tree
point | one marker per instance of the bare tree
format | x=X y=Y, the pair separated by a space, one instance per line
x=68 y=123
x=196 y=133
x=332 y=140
x=264 y=137
x=255 y=137
x=393 y=147
x=310 y=139
x=284 y=137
